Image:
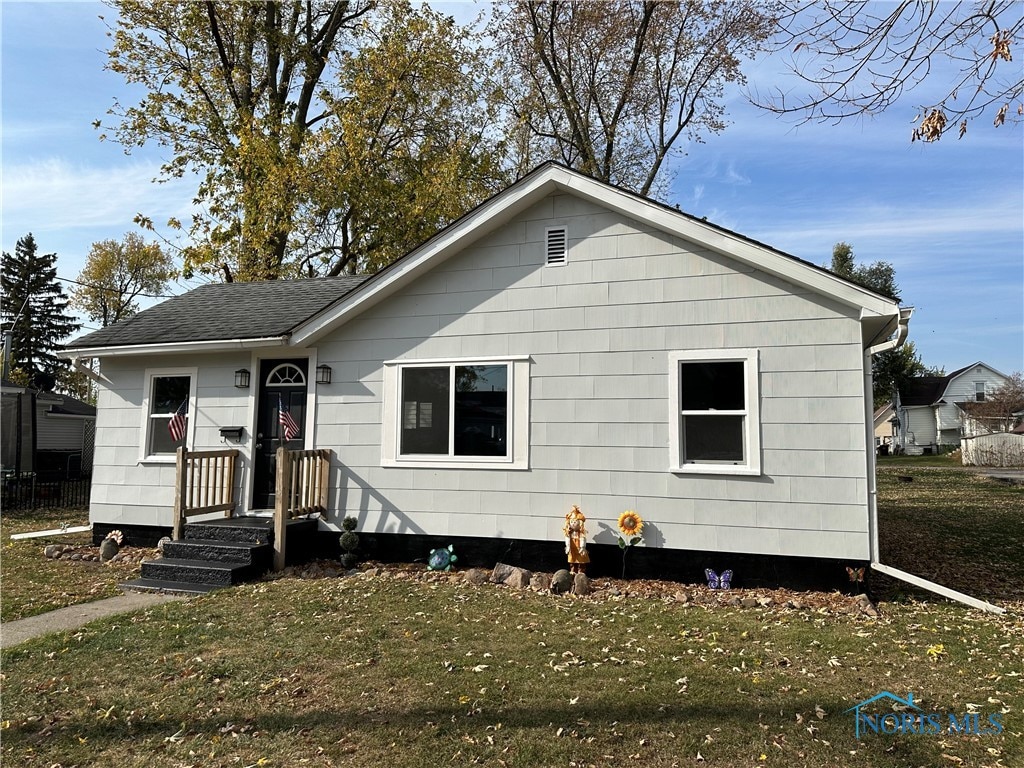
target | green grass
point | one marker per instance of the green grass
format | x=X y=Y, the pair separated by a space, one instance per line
x=31 y=584
x=366 y=670
x=953 y=526
x=423 y=672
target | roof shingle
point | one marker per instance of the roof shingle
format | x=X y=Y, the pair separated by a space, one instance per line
x=220 y=311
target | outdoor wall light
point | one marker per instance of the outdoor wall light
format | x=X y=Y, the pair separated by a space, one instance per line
x=242 y=378
x=323 y=374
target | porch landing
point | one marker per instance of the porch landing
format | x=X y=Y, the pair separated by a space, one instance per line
x=220 y=553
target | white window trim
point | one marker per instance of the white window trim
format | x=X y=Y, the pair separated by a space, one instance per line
x=519 y=422
x=147 y=421
x=752 y=426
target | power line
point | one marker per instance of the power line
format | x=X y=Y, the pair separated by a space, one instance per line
x=112 y=290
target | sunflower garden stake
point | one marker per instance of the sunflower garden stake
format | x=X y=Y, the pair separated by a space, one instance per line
x=631 y=527
x=575 y=531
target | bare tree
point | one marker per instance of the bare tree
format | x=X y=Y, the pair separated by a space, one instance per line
x=609 y=88
x=859 y=58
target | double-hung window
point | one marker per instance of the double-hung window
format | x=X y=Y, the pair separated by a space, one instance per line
x=472 y=412
x=714 y=412
x=168 y=412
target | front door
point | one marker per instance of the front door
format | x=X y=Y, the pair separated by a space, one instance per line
x=282 y=388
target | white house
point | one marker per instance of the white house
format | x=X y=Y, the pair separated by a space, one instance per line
x=566 y=342
x=931 y=409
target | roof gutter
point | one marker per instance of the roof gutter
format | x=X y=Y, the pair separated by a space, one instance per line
x=876 y=563
x=217 y=345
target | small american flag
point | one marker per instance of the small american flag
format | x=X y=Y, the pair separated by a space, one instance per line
x=176 y=426
x=284 y=418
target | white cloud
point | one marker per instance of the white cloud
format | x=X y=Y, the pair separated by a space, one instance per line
x=57 y=195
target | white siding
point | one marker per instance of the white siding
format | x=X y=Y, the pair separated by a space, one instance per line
x=128 y=491
x=599 y=331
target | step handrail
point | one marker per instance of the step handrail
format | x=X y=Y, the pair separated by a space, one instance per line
x=301 y=488
x=204 y=482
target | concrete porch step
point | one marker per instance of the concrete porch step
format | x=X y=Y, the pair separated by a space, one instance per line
x=220 y=551
x=199 y=571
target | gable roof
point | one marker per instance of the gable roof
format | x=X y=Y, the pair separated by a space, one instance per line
x=221 y=311
x=299 y=312
x=72 y=406
x=929 y=390
x=879 y=314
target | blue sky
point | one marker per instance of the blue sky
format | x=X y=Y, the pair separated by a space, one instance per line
x=948 y=216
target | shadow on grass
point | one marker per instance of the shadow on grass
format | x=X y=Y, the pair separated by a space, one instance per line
x=425 y=728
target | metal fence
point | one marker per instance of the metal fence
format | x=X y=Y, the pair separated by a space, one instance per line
x=33 y=491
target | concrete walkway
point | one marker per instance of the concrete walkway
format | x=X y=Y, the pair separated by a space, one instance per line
x=16 y=632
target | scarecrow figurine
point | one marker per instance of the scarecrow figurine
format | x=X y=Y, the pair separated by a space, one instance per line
x=575 y=531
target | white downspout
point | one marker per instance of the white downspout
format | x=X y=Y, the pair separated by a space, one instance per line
x=876 y=564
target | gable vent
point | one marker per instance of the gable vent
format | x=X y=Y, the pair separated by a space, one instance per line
x=557 y=245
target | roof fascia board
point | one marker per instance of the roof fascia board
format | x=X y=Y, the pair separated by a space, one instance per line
x=216 y=345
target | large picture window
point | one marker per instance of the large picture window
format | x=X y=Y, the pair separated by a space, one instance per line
x=166 y=394
x=457 y=412
x=715 y=415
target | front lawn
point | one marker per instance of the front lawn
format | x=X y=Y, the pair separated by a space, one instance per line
x=33 y=584
x=390 y=669
x=412 y=670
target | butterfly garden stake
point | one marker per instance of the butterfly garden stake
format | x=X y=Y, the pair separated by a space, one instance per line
x=631 y=527
x=716 y=581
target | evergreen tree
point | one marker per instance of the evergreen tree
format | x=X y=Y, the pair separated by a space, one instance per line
x=34 y=310
x=894 y=368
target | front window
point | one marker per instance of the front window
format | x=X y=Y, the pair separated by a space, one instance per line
x=455 y=410
x=714 y=416
x=168 y=412
x=458 y=412
x=979 y=391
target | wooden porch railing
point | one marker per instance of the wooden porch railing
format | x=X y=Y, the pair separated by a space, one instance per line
x=301 y=489
x=204 y=483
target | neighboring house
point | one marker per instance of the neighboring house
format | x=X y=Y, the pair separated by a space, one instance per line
x=566 y=342
x=45 y=434
x=932 y=410
x=884 y=424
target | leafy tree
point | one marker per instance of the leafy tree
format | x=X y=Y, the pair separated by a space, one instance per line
x=116 y=274
x=889 y=369
x=411 y=145
x=860 y=58
x=327 y=135
x=34 y=311
x=610 y=88
x=230 y=89
x=879 y=276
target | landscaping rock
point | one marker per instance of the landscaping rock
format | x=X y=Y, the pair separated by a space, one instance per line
x=477 y=576
x=541 y=582
x=501 y=572
x=561 y=582
x=519 y=578
x=53 y=551
x=108 y=549
x=865 y=606
x=748 y=602
x=581 y=585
